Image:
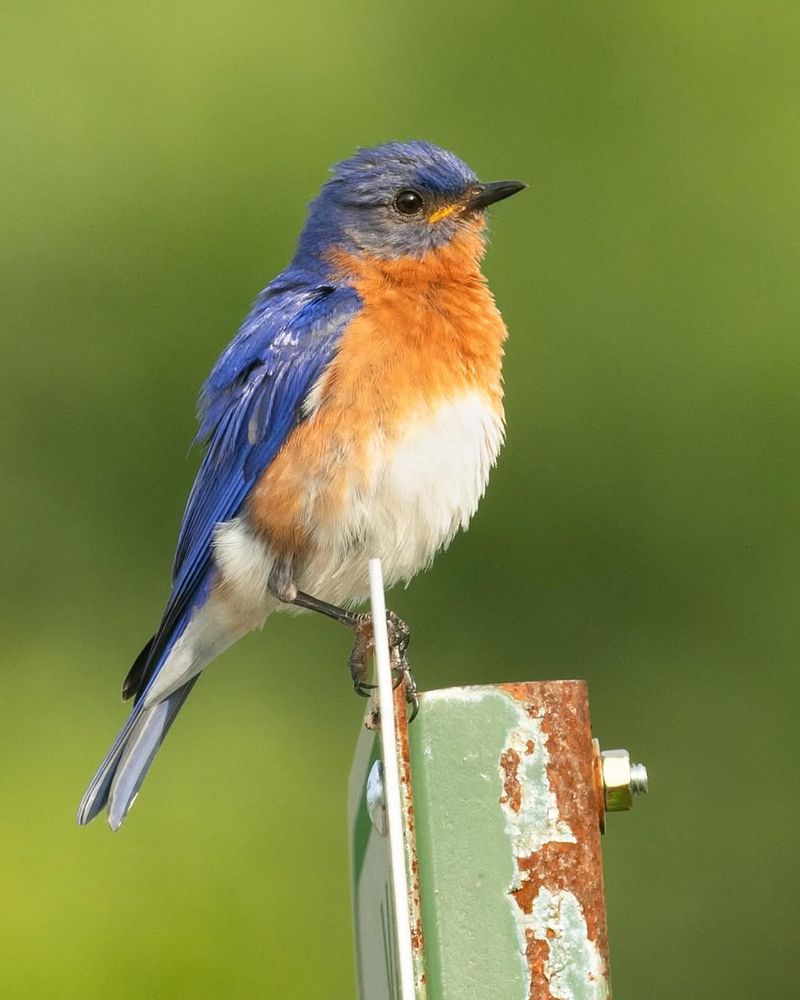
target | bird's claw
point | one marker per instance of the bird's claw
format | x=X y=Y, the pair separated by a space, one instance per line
x=412 y=695
x=363 y=648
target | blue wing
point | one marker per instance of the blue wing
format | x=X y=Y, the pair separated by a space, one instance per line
x=248 y=405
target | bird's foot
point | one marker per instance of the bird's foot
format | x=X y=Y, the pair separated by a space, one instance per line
x=364 y=647
x=361 y=654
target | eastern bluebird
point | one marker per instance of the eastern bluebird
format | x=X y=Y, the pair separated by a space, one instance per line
x=356 y=413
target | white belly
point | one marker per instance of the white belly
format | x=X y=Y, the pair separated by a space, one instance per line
x=419 y=491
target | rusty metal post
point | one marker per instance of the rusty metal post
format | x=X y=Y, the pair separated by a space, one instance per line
x=507 y=813
x=475 y=840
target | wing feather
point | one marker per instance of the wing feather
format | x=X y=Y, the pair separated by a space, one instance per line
x=248 y=406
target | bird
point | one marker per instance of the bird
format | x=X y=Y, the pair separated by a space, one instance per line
x=356 y=413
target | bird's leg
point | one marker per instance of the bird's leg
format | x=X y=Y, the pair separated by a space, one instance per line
x=281 y=585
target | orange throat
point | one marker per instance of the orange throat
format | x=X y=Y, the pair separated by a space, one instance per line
x=429 y=327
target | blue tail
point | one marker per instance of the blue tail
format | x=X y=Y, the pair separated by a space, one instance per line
x=121 y=774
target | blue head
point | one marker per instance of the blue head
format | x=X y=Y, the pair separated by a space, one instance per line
x=401 y=199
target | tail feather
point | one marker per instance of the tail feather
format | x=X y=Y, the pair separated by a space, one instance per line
x=161 y=679
x=96 y=795
x=120 y=776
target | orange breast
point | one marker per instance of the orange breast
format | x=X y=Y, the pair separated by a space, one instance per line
x=428 y=331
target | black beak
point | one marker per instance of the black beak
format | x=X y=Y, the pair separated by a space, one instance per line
x=488 y=194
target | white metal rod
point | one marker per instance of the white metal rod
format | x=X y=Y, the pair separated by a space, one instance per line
x=391 y=780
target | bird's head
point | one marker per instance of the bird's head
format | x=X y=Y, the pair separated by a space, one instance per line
x=402 y=199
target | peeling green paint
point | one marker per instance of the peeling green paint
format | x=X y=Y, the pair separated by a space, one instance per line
x=466 y=865
x=574 y=968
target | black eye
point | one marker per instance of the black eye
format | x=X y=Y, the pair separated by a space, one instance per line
x=409 y=202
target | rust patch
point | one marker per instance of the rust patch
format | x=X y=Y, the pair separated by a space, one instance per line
x=412 y=865
x=561 y=708
x=512 y=790
x=538 y=953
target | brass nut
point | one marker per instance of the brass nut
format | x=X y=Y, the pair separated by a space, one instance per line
x=621 y=780
x=616 y=770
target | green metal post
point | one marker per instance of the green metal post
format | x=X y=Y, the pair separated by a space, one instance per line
x=507 y=810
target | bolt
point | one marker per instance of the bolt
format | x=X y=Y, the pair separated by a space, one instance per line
x=621 y=780
x=638 y=779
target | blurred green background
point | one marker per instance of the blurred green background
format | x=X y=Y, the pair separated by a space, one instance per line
x=642 y=529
